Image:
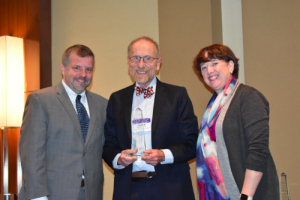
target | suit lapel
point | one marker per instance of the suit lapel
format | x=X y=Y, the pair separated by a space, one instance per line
x=126 y=113
x=93 y=116
x=66 y=102
x=160 y=98
x=159 y=101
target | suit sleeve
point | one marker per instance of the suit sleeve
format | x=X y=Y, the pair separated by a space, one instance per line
x=111 y=147
x=33 y=148
x=188 y=130
x=255 y=119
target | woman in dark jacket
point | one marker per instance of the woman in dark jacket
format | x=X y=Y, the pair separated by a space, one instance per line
x=233 y=156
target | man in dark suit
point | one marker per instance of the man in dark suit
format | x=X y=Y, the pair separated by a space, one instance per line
x=150 y=132
x=62 y=135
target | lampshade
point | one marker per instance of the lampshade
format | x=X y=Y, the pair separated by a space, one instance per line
x=11 y=81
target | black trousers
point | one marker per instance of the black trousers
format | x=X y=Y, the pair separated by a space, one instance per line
x=145 y=189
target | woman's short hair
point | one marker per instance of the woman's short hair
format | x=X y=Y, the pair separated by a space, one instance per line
x=216 y=51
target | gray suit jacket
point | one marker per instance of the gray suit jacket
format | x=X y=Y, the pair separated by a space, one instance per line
x=53 y=153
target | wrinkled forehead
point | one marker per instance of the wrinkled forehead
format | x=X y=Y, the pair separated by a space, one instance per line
x=143 y=48
x=143 y=43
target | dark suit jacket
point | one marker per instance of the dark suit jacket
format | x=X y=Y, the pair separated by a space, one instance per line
x=52 y=150
x=174 y=127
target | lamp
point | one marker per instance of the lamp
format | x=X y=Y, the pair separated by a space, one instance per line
x=11 y=111
x=11 y=81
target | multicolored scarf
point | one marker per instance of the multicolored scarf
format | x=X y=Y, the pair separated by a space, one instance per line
x=211 y=185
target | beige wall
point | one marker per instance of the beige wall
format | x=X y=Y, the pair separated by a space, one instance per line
x=271 y=46
x=181 y=35
x=271 y=52
x=107 y=27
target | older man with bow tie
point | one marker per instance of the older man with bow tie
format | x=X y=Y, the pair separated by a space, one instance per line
x=150 y=132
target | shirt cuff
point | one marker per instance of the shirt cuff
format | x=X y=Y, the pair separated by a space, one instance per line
x=115 y=162
x=169 y=158
x=41 y=198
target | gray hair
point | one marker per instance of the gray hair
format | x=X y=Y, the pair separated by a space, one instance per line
x=143 y=38
x=80 y=50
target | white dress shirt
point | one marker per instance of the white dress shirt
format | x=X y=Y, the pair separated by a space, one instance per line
x=146 y=106
x=72 y=95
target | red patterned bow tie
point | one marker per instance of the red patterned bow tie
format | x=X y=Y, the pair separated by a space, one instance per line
x=147 y=92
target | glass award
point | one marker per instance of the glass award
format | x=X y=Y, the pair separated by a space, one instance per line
x=138 y=136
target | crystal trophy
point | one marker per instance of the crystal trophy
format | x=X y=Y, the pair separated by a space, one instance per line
x=138 y=136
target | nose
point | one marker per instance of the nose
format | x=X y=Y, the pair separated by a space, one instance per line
x=83 y=73
x=209 y=69
x=141 y=63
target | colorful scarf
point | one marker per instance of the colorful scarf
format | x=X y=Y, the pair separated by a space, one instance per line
x=211 y=185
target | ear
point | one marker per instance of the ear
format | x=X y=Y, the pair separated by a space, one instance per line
x=62 y=69
x=158 y=64
x=231 y=65
x=128 y=62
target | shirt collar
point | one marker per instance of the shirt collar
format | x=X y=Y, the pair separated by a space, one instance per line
x=72 y=95
x=153 y=83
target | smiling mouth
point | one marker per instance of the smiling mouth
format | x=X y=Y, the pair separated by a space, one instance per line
x=141 y=72
x=82 y=81
x=213 y=78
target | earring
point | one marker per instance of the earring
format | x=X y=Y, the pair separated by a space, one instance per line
x=231 y=72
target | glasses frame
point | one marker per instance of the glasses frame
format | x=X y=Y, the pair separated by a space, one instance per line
x=140 y=57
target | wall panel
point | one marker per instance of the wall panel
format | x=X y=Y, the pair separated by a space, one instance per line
x=185 y=28
x=21 y=18
x=271 y=48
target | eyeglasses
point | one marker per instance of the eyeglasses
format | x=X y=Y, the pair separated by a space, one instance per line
x=146 y=59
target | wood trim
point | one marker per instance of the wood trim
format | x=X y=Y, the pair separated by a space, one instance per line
x=30 y=20
x=45 y=44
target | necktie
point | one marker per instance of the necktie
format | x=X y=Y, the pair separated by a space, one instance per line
x=82 y=116
x=147 y=92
